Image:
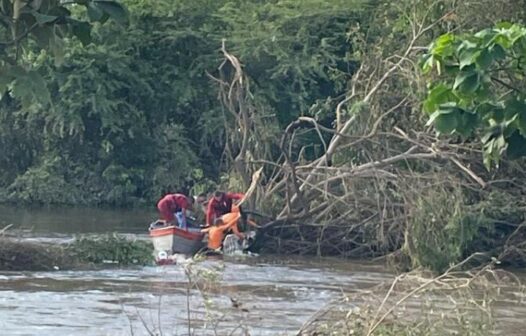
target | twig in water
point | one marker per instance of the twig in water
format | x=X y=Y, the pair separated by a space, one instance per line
x=5 y=229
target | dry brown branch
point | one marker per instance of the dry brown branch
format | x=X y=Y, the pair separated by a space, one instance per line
x=337 y=139
x=255 y=179
x=434 y=149
x=376 y=322
x=5 y=229
x=292 y=167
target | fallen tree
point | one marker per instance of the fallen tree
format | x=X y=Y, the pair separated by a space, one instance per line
x=386 y=184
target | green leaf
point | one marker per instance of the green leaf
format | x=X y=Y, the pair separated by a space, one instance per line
x=30 y=87
x=497 y=52
x=484 y=59
x=514 y=107
x=443 y=45
x=39 y=87
x=503 y=40
x=438 y=95
x=432 y=118
x=451 y=69
x=493 y=150
x=468 y=57
x=6 y=78
x=446 y=123
x=491 y=133
x=485 y=34
x=467 y=122
x=516 y=146
x=445 y=119
x=427 y=63
x=42 y=36
x=43 y=18
x=115 y=10
x=521 y=122
x=516 y=33
x=509 y=126
x=504 y=25
x=59 y=11
x=82 y=30
x=467 y=82
x=95 y=14
x=57 y=48
x=500 y=144
x=491 y=110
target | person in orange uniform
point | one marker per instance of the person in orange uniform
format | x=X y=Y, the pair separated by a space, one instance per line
x=171 y=204
x=216 y=233
x=220 y=204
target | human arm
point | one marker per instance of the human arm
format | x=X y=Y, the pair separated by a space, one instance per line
x=229 y=221
x=235 y=196
x=238 y=234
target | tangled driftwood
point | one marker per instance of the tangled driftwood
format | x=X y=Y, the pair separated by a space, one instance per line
x=356 y=198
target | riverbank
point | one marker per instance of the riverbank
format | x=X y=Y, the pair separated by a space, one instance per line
x=453 y=303
x=81 y=253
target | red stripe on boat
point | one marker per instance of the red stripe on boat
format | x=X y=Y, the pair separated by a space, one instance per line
x=172 y=230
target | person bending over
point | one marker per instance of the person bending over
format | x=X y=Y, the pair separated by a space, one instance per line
x=218 y=231
x=220 y=204
x=171 y=205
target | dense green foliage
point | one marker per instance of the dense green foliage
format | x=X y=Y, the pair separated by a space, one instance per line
x=478 y=88
x=110 y=249
x=84 y=252
x=44 y=25
x=134 y=114
x=443 y=230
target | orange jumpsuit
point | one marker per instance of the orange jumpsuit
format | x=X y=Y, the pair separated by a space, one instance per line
x=216 y=234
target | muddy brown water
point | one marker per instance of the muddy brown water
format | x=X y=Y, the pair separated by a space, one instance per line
x=264 y=295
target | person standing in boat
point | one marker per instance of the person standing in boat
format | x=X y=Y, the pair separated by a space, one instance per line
x=221 y=204
x=172 y=208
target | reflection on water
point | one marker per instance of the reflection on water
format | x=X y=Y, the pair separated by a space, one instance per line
x=76 y=220
x=273 y=298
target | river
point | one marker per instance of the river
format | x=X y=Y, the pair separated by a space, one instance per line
x=264 y=295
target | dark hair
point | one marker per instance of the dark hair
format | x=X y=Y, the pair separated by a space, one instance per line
x=218 y=221
x=219 y=193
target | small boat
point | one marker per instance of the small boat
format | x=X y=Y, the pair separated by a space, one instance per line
x=168 y=240
x=171 y=240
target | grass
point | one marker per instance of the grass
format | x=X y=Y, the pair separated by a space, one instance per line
x=84 y=252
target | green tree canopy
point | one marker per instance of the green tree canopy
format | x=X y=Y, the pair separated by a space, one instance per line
x=132 y=112
x=477 y=88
